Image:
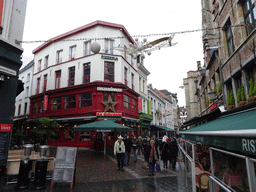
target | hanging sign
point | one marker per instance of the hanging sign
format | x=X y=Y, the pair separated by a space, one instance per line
x=6 y=128
x=108 y=57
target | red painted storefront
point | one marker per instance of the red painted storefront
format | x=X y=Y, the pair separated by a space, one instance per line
x=81 y=104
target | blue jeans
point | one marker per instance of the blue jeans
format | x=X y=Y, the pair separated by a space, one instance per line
x=135 y=151
x=151 y=168
x=127 y=158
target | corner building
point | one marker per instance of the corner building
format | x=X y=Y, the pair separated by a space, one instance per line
x=75 y=86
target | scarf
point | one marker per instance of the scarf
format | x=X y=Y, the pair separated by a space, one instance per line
x=152 y=155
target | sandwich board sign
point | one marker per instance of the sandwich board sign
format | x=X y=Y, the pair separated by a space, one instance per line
x=64 y=168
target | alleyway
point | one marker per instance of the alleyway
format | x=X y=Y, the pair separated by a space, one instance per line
x=96 y=172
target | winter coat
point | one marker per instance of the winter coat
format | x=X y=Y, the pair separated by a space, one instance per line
x=148 y=154
x=163 y=148
x=128 y=145
x=173 y=147
x=118 y=146
x=146 y=149
x=135 y=144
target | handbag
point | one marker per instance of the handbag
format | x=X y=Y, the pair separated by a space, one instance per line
x=158 y=168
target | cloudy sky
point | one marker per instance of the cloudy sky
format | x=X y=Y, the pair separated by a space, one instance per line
x=48 y=18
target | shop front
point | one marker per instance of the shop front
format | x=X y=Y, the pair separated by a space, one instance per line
x=159 y=131
x=224 y=149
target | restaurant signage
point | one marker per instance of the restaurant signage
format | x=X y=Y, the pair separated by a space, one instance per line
x=109 y=114
x=111 y=89
x=108 y=57
x=45 y=102
x=6 y=128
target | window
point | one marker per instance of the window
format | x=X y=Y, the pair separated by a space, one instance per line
x=39 y=65
x=87 y=73
x=56 y=103
x=143 y=86
x=38 y=85
x=249 y=11
x=109 y=45
x=57 y=79
x=132 y=60
x=25 y=108
x=107 y=94
x=46 y=60
x=109 y=71
x=134 y=104
x=87 y=48
x=35 y=107
x=45 y=83
x=140 y=83
x=41 y=106
x=125 y=76
x=229 y=36
x=132 y=81
x=59 y=56
x=71 y=79
x=85 y=99
x=70 y=101
x=27 y=91
x=126 y=101
x=19 y=109
x=72 y=52
x=28 y=77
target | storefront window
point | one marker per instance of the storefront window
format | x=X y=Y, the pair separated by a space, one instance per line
x=84 y=136
x=70 y=101
x=85 y=99
x=68 y=134
x=126 y=101
x=56 y=103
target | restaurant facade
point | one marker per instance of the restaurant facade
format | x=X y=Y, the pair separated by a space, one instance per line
x=74 y=86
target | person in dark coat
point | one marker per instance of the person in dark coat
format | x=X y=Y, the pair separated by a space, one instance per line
x=164 y=151
x=153 y=157
x=173 y=147
x=128 y=147
x=146 y=148
x=135 y=145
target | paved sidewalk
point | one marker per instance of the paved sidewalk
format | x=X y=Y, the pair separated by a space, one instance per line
x=96 y=172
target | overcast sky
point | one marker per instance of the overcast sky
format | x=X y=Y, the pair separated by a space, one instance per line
x=49 y=18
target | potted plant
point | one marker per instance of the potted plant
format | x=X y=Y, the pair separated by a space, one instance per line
x=252 y=91
x=241 y=99
x=219 y=89
x=231 y=100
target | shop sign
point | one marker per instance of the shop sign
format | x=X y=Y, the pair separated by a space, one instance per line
x=45 y=102
x=104 y=131
x=248 y=145
x=7 y=70
x=109 y=114
x=108 y=57
x=111 y=89
x=6 y=128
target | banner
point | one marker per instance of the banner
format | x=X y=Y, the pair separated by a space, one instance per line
x=1 y=11
x=149 y=107
x=140 y=104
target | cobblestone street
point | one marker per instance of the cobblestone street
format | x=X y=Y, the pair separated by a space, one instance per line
x=96 y=172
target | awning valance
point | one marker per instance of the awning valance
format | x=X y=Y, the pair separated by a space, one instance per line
x=235 y=132
x=102 y=126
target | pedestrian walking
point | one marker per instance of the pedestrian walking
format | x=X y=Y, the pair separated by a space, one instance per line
x=140 y=140
x=173 y=147
x=119 y=150
x=135 y=145
x=153 y=157
x=164 y=151
x=128 y=147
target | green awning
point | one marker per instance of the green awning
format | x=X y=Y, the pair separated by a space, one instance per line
x=236 y=132
x=164 y=128
x=102 y=126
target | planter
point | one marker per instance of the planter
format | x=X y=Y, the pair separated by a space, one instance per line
x=231 y=106
x=241 y=103
x=219 y=93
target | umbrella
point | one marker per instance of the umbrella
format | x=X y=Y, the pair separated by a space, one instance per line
x=102 y=126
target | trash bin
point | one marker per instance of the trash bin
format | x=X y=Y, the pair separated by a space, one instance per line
x=41 y=168
x=25 y=168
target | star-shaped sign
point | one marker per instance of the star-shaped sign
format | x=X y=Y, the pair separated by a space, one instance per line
x=110 y=104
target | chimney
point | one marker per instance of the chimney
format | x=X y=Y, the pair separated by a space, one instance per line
x=199 y=66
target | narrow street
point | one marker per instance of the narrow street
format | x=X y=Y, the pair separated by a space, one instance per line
x=96 y=172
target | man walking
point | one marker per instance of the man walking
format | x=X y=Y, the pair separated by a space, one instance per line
x=119 y=150
x=135 y=145
x=128 y=147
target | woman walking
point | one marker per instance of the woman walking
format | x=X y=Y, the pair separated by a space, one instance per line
x=164 y=151
x=173 y=147
x=153 y=157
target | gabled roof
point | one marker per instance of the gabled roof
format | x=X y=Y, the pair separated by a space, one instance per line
x=83 y=28
x=162 y=94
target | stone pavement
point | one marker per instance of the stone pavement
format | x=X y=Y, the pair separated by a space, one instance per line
x=96 y=172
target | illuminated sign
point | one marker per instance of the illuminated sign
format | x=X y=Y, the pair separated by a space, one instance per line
x=108 y=57
x=6 y=128
x=109 y=114
x=111 y=89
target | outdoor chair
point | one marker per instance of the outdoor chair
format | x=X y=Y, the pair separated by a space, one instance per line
x=203 y=182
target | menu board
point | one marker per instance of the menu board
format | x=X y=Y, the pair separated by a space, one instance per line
x=4 y=138
x=64 y=167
